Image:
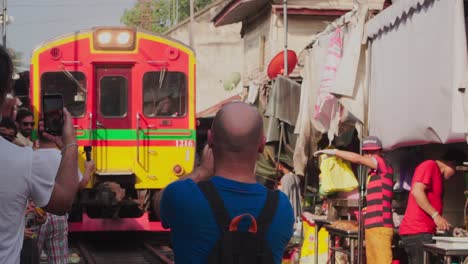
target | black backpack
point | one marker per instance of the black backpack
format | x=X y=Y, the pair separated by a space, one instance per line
x=240 y=247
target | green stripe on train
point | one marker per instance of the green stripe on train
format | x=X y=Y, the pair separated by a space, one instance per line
x=130 y=134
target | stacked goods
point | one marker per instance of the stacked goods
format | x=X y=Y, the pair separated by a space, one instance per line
x=345 y=225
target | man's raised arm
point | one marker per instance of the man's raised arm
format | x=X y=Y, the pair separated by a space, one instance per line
x=66 y=181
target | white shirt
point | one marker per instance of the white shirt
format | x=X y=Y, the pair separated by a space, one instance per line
x=24 y=173
x=48 y=159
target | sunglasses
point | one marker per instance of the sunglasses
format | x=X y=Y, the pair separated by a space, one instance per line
x=28 y=123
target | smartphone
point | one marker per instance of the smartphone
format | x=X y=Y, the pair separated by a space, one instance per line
x=52 y=106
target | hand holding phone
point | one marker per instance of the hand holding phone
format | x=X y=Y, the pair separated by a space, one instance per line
x=52 y=105
x=68 y=131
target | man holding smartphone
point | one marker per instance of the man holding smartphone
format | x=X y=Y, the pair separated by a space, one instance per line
x=23 y=177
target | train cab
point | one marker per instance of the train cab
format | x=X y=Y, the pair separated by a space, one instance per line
x=132 y=97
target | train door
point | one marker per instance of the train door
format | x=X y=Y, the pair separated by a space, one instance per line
x=113 y=119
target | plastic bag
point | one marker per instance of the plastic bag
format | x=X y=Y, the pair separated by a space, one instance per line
x=336 y=176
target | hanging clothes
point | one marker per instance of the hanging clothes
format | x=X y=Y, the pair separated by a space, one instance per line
x=308 y=136
x=341 y=74
x=351 y=79
x=283 y=105
x=253 y=92
x=353 y=32
x=326 y=105
x=284 y=100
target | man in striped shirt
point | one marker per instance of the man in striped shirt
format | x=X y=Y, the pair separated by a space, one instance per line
x=378 y=220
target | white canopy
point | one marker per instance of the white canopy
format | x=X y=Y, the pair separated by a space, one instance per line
x=419 y=62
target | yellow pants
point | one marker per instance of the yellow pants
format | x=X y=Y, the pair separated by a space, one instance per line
x=379 y=245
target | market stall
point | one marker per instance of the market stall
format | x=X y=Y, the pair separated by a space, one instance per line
x=400 y=75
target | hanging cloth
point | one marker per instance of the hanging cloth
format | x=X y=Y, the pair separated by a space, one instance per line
x=283 y=106
x=327 y=107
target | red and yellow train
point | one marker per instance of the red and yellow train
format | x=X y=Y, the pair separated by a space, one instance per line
x=132 y=97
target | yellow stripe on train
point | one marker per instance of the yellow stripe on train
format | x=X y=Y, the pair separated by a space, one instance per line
x=153 y=167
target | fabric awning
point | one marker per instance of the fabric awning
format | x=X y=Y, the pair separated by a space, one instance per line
x=419 y=62
x=391 y=15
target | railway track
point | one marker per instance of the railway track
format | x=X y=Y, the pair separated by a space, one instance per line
x=122 y=247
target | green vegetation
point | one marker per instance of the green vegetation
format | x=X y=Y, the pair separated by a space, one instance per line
x=159 y=15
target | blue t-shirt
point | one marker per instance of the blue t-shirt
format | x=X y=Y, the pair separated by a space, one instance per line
x=187 y=212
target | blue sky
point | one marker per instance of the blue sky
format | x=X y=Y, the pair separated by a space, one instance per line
x=36 y=21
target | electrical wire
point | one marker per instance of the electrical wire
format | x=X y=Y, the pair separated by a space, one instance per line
x=61 y=4
x=54 y=20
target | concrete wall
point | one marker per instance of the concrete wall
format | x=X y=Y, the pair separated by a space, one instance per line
x=255 y=56
x=301 y=29
x=219 y=53
x=270 y=26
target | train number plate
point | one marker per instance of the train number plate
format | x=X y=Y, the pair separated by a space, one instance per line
x=184 y=143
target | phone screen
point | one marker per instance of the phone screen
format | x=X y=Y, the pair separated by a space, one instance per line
x=53 y=113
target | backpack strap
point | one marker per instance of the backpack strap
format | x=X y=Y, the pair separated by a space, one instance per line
x=268 y=212
x=222 y=216
x=216 y=203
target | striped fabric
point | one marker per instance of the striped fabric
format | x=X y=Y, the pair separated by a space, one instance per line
x=379 y=196
x=53 y=239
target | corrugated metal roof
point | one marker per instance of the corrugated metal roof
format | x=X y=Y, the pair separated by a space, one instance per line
x=211 y=111
x=307 y=10
x=237 y=10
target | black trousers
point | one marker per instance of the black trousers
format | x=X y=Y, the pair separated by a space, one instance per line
x=413 y=245
x=29 y=252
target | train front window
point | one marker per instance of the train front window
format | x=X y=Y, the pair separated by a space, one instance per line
x=71 y=85
x=113 y=99
x=164 y=94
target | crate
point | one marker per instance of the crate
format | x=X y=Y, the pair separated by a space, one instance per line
x=452 y=242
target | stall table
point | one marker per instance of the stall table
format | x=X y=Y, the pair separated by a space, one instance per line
x=353 y=240
x=446 y=253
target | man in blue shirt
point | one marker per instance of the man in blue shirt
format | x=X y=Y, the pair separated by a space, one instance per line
x=234 y=141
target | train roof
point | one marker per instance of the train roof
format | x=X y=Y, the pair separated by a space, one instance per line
x=83 y=31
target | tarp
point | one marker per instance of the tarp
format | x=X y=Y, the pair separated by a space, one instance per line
x=419 y=62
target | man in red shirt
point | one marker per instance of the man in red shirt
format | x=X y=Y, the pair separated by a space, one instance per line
x=378 y=220
x=424 y=210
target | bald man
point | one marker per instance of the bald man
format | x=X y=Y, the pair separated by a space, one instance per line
x=228 y=162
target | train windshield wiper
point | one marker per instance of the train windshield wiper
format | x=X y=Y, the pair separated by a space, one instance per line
x=73 y=79
x=162 y=75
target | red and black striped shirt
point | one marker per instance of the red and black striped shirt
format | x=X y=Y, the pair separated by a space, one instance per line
x=379 y=196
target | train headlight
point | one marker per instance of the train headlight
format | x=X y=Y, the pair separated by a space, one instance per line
x=123 y=38
x=104 y=37
x=114 y=38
